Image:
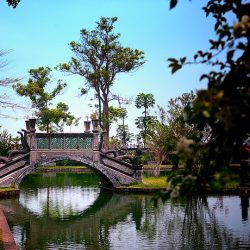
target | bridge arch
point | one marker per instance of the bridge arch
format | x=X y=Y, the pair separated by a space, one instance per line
x=104 y=179
x=41 y=148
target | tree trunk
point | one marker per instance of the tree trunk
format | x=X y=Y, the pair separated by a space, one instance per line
x=106 y=124
x=145 y=127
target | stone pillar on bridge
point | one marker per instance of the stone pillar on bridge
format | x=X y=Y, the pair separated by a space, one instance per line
x=95 y=131
x=31 y=127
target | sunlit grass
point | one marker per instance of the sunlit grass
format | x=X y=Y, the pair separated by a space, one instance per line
x=232 y=185
x=4 y=189
x=154 y=165
x=151 y=182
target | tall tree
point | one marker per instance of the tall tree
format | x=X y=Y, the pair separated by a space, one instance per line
x=157 y=143
x=122 y=132
x=49 y=119
x=176 y=119
x=171 y=127
x=144 y=101
x=99 y=57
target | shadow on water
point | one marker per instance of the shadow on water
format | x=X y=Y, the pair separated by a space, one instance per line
x=115 y=221
x=38 y=180
x=244 y=202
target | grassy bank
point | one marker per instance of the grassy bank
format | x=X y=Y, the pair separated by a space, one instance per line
x=8 y=191
x=151 y=182
x=5 y=189
x=150 y=166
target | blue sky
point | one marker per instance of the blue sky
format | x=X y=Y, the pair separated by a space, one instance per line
x=38 y=33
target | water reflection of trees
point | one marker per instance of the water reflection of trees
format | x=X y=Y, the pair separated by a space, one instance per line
x=202 y=229
x=37 y=180
x=244 y=202
x=188 y=224
x=90 y=229
x=127 y=219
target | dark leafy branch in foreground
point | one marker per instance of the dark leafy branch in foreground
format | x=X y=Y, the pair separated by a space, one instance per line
x=224 y=106
x=13 y=3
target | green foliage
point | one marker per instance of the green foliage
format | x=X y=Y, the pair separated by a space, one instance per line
x=176 y=117
x=143 y=123
x=48 y=119
x=224 y=178
x=99 y=57
x=35 y=88
x=7 y=142
x=181 y=183
x=145 y=157
x=157 y=140
x=55 y=117
x=144 y=101
x=123 y=134
x=114 y=142
x=170 y=131
x=116 y=113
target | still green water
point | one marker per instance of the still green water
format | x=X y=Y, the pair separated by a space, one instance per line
x=68 y=211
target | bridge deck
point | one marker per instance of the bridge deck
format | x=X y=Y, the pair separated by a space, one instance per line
x=43 y=148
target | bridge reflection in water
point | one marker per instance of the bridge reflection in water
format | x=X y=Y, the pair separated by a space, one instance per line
x=114 y=221
x=47 y=224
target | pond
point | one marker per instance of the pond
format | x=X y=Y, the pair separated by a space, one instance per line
x=68 y=211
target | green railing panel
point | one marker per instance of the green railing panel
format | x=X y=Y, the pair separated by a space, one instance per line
x=70 y=142
x=64 y=141
x=43 y=142
x=56 y=142
x=85 y=142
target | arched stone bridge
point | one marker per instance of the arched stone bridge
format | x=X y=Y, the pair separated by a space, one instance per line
x=41 y=148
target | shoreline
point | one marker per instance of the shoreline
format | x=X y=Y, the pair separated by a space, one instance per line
x=123 y=189
x=144 y=190
x=10 y=192
x=140 y=190
x=6 y=236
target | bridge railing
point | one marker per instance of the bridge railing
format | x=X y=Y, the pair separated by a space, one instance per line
x=64 y=141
